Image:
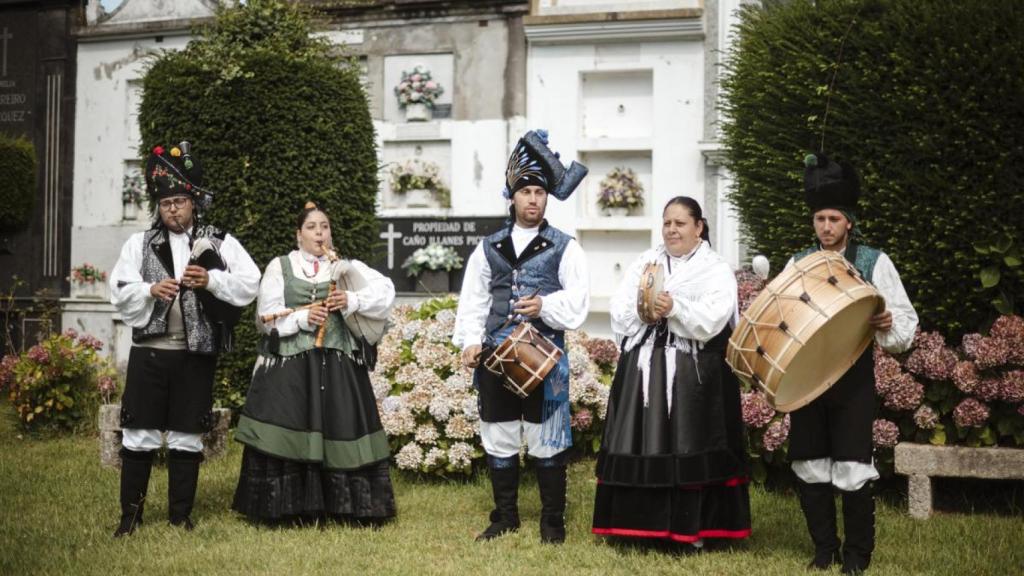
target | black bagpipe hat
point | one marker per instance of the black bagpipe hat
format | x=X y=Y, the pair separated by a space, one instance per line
x=830 y=184
x=175 y=172
x=532 y=163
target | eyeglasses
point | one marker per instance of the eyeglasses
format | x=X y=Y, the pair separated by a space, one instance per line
x=178 y=203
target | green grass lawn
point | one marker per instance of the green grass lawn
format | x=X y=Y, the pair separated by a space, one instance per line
x=58 y=508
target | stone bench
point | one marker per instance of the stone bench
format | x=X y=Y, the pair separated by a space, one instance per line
x=920 y=462
x=215 y=442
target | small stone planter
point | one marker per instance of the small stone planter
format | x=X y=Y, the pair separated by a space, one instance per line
x=417 y=112
x=432 y=281
x=215 y=442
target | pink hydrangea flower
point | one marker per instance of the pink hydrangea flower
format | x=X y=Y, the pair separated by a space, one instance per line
x=933 y=362
x=884 y=433
x=970 y=344
x=582 y=419
x=925 y=417
x=965 y=376
x=38 y=354
x=991 y=353
x=989 y=388
x=887 y=372
x=929 y=340
x=970 y=412
x=776 y=434
x=757 y=413
x=1012 y=387
x=905 y=394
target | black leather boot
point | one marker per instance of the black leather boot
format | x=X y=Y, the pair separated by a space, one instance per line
x=135 y=469
x=505 y=516
x=182 y=481
x=819 y=506
x=552 y=483
x=859 y=525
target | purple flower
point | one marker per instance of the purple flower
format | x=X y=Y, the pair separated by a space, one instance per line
x=582 y=419
x=965 y=376
x=887 y=372
x=970 y=344
x=39 y=354
x=1012 y=386
x=991 y=353
x=757 y=413
x=748 y=286
x=929 y=340
x=934 y=363
x=90 y=341
x=602 y=351
x=970 y=412
x=71 y=333
x=1010 y=329
x=906 y=394
x=989 y=388
x=884 y=433
x=776 y=434
x=7 y=370
x=925 y=417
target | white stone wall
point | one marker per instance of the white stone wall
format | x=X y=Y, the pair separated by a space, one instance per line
x=646 y=112
x=106 y=146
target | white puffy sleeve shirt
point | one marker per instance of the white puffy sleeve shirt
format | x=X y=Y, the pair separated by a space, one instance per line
x=373 y=301
x=703 y=290
x=565 y=309
x=237 y=285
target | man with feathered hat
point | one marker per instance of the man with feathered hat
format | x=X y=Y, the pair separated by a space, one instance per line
x=180 y=286
x=830 y=440
x=527 y=272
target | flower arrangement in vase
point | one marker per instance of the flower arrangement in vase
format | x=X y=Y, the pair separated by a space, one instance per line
x=416 y=93
x=621 y=192
x=87 y=281
x=416 y=181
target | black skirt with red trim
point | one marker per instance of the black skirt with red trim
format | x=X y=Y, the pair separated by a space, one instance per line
x=676 y=472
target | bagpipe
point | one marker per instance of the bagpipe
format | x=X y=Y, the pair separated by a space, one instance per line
x=366 y=330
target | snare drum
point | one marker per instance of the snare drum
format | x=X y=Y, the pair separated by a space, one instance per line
x=652 y=281
x=524 y=359
x=804 y=330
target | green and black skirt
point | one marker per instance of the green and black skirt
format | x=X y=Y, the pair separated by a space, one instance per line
x=314 y=444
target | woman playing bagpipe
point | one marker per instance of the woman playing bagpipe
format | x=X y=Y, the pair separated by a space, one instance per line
x=672 y=463
x=314 y=444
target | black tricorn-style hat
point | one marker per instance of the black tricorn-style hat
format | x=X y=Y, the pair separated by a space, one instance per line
x=830 y=184
x=532 y=163
x=175 y=172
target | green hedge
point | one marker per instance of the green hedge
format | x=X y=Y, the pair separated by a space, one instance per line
x=17 y=182
x=277 y=119
x=928 y=104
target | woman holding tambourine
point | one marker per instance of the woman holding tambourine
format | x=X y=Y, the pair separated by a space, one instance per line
x=673 y=462
x=314 y=444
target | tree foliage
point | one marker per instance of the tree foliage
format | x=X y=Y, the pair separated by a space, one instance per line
x=277 y=118
x=926 y=99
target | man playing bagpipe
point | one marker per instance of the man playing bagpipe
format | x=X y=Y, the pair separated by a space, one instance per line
x=180 y=285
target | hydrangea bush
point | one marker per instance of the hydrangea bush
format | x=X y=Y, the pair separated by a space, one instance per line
x=59 y=383
x=429 y=408
x=971 y=395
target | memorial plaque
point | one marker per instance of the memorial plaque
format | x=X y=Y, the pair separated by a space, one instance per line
x=400 y=237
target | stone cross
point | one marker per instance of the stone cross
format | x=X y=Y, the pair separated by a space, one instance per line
x=5 y=37
x=391 y=236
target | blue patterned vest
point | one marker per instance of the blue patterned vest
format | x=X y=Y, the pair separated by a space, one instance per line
x=535 y=269
x=862 y=257
x=202 y=336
